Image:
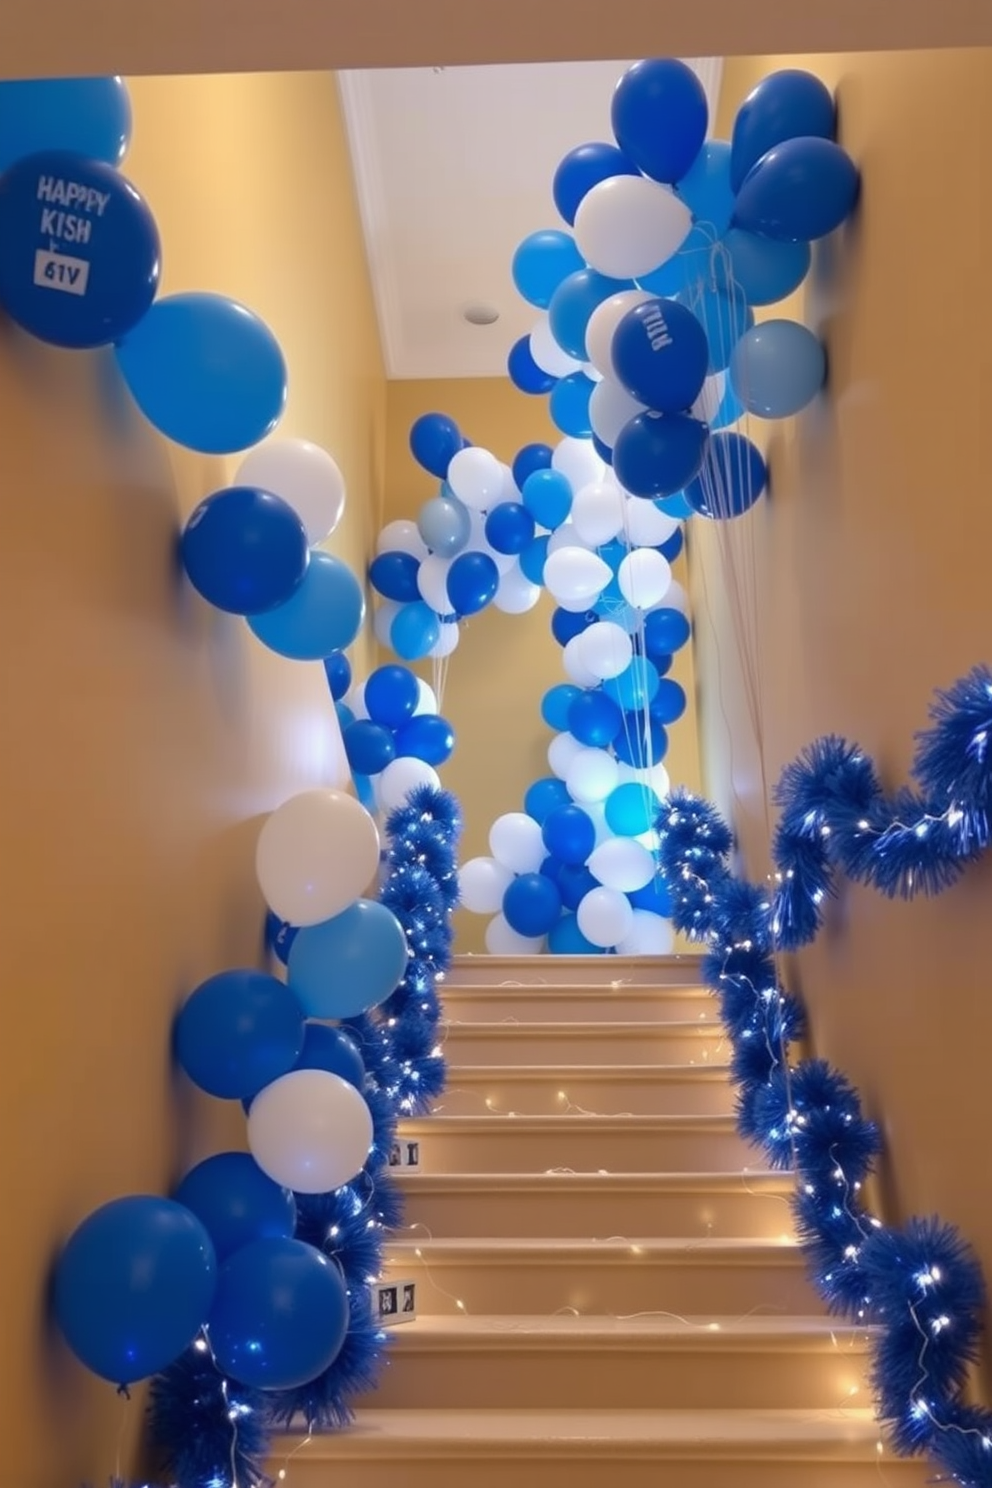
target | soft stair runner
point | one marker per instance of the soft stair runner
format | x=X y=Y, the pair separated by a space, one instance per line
x=608 y=1285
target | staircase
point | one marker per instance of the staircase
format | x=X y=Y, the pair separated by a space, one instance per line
x=606 y=1282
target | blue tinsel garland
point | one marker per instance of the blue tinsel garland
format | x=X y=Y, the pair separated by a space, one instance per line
x=919 y=1285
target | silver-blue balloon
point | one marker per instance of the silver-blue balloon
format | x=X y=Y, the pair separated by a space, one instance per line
x=777 y=368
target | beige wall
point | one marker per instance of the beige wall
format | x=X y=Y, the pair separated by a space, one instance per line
x=866 y=580
x=141 y=734
x=504 y=663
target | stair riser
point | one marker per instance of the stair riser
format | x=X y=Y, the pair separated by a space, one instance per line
x=694 y=1094
x=521 y=1043
x=607 y=1379
x=574 y=971
x=580 y=1005
x=510 y=1148
x=565 y=1215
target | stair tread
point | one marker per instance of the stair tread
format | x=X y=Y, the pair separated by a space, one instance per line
x=707 y=1246
x=591 y=1028
x=655 y=1073
x=489 y=1121
x=748 y=1179
x=506 y=1331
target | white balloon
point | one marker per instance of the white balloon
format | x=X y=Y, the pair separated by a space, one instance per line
x=400 y=777
x=562 y=751
x=426 y=699
x=515 y=841
x=645 y=525
x=710 y=397
x=446 y=641
x=578 y=462
x=401 y=537
x=516 y=594
x=355 y=700
x=622 y=864
x=502 y=940
x=610 y=407
x=564 y=536
x=573 y=574
x=432 y=581
x=316 y=854
x=310 y=1131
x=676 y=598
x=644 y=577
x=548 y=354
x=605 y=916
x=302 y=474
x=476 y=478
x=656 y=776
x=482 y=882
x=626 y=226
x=605 y=649
x=382 y=620
x=591 y=776
x=603 y=322
x=596 y=812
x=597 y=512
x=576 y=669
x=649 y=935
x=510 y=491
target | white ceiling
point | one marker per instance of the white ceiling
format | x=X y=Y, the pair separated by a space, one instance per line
x=453 y=167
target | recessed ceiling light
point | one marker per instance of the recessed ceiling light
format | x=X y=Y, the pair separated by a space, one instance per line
x=480 y=315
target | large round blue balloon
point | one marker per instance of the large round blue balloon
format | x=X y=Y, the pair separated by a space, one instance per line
x=509 y=527
x=524 y=372
x=763 y=269
x=631 y=809
x=541 y=262
x=435 y=439
x=569 y=405
x=572 y=306
x=415 y=631
x=669 y=702
x=533 y=559
x=725 y=316
x=547 y=495
x=641 y=744
x=530 y=458
x=777 y=368
x=89 y=116
x=238 y=1031
x=566 y=939
x=337 y=669
x=368 y=746
x=428 y=737
x=784 y=105
x=206 y=371
x=659 y=116
x=531 y=904
x=665 y=631
x=246 y=551
x=801 y=190
x=582 y=169
x=556 y=703
x=567 y=624
x=473 y=579
x=346 y=965
x=658 y=454
x=569 y=834
x=706 y=188
x=660 y=354
x=636 y=685
x=324 y=615
x=545 y=796
x=79 y=250
x=732 y=477
x=594 y=717
x=333 y=1050
x=391 y=695
x=280 y=1314
x=133 y=1286
x=236 y=1202
x=394 y=575
x=445 y=525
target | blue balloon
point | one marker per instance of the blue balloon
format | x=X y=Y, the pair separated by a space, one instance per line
x=325 y=614
x=669 y=702
x=567 y=624
x=279 y=935
x=428 y=737
x=665 y=631
x=706 y=189
x=394 y=576
x=730 y=410
x=566 y=939
x=415 y=631
x=473 y=579
x=659 y=116
x=245 y=551
x=391 y=695
x=725 y=317
x=572 y=306
x=533 y=559
x=552 y=868
x=801 y=190
x=337 y=669
x=732 y=478
x=445 y=525
x=79 y=250
x=674 y=506
x=594 y=718
x=89 y=116
x=133 y=1286
x=660 y=355
x=541 y=262
x=632 y=808
x=556 y=703
x=344 y=715
x=435 y=439
x=636 y=685
x=658 y=454
x=332 y=1049
x=574 y=883
x=641 y=744
x=236 y=1202
x=547 y=495
x=582 y=169
x=673 y=546
x=777 y=368
x=530 y=458
x=653 y=897
x=763 y=269
x=603 y=450
x=206 y=372
x=365 y=792
x=784 y=105
x=346 y=965
x=531 y=904
x=524 y=372
x=545 y=796
x=569 y=405
x=695 y=263
x=237 y=1032
x=509 y=527
x=369 y=747
x=613 y=552
x=569 y=834
x=280 y=1314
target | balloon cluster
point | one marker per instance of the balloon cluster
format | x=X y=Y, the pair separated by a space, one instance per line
x=393 y=735
x=648 y=343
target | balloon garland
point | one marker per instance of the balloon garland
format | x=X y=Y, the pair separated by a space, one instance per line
x=919 y=1285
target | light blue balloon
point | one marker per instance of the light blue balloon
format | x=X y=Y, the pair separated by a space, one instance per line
x=777 y=368
x=324 y=615
x=89 y=116
x=573 y=303
x=692 y=265
x=706 y=188
x=541 y=262
x=675 y=506
x=444 y=523
x=725 y=318
x=569 y=405
x=730 y=410
x=636 y=686
x=348 y=964
x=415 y=631
x=547 y=495
x=764 y=269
